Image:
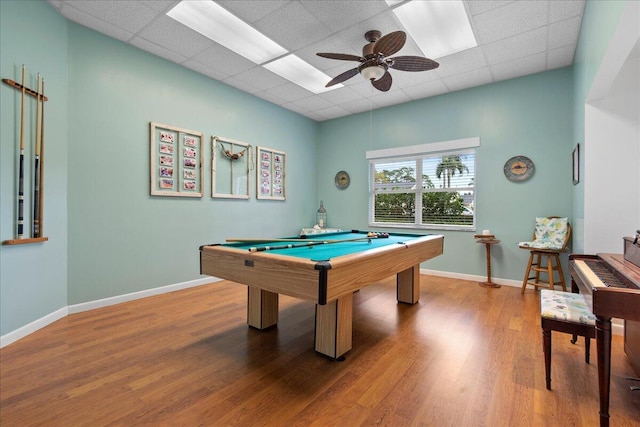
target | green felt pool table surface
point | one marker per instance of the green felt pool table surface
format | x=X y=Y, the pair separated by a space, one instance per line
x=331 y=249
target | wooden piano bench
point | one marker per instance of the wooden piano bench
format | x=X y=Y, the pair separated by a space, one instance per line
x=564 y=312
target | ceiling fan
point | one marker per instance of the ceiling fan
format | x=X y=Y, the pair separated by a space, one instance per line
x=374 y=62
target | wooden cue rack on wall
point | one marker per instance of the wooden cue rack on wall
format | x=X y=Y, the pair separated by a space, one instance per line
x=39 y=156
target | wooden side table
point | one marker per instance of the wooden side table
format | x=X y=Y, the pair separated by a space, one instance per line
x=488 y=240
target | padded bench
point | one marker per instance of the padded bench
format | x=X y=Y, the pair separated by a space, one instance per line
x=564 y=312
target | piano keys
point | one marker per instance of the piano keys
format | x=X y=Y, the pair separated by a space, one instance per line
x=613 y=284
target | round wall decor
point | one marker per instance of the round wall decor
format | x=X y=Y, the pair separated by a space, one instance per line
x=518 y=169
x=342 y=180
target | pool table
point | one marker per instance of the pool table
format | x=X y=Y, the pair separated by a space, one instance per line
x=325 y=273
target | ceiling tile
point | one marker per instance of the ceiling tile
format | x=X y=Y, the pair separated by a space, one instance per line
x=332 y=112
x=477 y=7
x=466 y=80
x=289 y=92
x=561 y=57
x=292 y=26
x=214 y=73
x=313 y=103
x=340 y=96
x=529 y=43
x=221 y=58
x=425 y=90
x=512 y=19
x=243 y=85
x=266 y=78
x=392 y=97
x=75 y=15
x=560 y=10
x=461 y=62
x=337 y=16
x=358 y=106
x=157 y=50
x=160 y=5
x=130 y=16
x=564 y=33
x=519 y=67
x=172 y=35
x=251 y=10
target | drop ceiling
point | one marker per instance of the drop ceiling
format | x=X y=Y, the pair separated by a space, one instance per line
x=515 y=38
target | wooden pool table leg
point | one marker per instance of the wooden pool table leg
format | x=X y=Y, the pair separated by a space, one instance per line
x=333 y=327
x=262 y=308
x=408 y=285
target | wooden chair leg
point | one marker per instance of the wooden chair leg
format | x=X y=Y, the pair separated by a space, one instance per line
x=562 y=281
x=526 y=275
x=587 y=347
x=550 y=271
x=546 y=345
x=538 y=264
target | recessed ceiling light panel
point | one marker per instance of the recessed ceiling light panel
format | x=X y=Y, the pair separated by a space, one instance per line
x=301 y=73
x=215 y=22
x=439 y=28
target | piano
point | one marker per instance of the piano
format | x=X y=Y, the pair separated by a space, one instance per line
x=612 y=284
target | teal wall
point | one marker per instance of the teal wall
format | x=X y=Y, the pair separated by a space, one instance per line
x=121 y=239
x=599 y=22
x=529 y=116
x=33 y=277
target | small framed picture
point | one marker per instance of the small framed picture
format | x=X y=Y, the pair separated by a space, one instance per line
x=175 y=170
x=271 y=174
x=576 y=164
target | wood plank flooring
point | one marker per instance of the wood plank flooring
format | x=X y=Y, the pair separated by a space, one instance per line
x=463 y=356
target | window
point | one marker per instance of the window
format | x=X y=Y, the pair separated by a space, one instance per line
x=423 y=189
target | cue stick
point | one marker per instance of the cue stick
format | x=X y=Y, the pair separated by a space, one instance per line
x=21 y=176
x=36 y=174
x=297 y=240
x=309 y=244
x=41 y=176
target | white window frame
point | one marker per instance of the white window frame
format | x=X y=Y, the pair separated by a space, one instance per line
x=419 y=153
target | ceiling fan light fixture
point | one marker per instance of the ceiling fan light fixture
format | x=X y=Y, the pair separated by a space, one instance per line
x=373 y=72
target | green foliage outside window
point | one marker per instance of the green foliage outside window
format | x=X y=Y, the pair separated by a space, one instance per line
x=396 y=192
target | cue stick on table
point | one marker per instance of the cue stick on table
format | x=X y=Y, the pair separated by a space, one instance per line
x=308 y=243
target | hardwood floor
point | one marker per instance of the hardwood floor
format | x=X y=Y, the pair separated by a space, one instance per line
x=463 y=356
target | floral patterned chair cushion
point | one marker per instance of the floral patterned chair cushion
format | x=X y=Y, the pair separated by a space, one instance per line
x=550 y=234
x=565 y=306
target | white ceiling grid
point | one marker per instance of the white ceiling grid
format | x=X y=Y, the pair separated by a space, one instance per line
x=515 y=38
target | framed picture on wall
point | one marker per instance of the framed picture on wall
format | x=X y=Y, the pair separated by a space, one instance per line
x=176 y=161
x=576 y=164
x=270 y=174
x=230 y=165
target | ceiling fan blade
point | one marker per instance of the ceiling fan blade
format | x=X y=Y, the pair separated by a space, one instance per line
x=342 y=77
x=341 y=56
x=413 y=63
x=390 y=43
x=383 y=83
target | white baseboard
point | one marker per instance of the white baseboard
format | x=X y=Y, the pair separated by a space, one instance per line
x=617 y=326
x=104 y=302
x=472 y=277
x=32 y=327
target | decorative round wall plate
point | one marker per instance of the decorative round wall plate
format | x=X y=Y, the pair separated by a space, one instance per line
x=342 y=180
x=518 y=169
